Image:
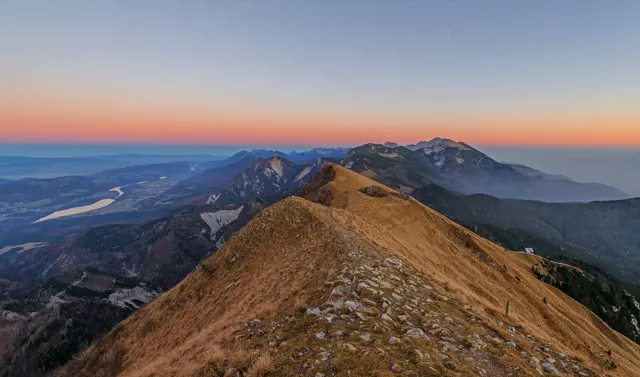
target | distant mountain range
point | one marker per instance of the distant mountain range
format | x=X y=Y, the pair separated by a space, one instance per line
x=210 y=206
x=154 y=189
x=462 y=169
x=17 y=167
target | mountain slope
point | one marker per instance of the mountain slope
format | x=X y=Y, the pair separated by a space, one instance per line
x=366 y=281
x=99 y=278
x=601 y=233
x=597 y=291
x=60 y=318
x=271 y=178
x=264 y=177
x=210 y=179
x=159 y=252
x=461 y=168
x=396 y=167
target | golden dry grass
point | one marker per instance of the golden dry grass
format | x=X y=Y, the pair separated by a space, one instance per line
x=261 y=366
x=281 y=261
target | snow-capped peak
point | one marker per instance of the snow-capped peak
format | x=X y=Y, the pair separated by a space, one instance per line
x=436 y=150
x=437 y=143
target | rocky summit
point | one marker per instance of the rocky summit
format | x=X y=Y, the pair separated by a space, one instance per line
x=353 y=278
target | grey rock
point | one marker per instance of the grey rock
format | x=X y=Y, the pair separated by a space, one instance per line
x=314 y=311
x=352 y=305
x=392 y=262
x=416 y=333
x=349 y=347
x=385 y=317
x=396 y=296
x=551 y=369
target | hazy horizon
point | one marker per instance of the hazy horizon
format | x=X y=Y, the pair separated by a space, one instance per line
x=608 y=166
x=552 y=85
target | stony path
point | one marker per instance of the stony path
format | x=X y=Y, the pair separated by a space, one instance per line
x=382 y=318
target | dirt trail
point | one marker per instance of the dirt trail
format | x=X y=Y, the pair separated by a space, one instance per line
x=360 y=285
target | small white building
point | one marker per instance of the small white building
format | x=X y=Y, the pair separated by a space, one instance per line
x=528 y=250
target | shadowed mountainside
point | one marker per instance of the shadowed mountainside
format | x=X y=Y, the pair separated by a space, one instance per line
x=601 y=233
x=365 y=281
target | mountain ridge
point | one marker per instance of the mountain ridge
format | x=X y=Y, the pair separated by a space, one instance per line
x=367 y=280
x=463 y=169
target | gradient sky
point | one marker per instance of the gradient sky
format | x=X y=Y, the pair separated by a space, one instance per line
x=536 y=73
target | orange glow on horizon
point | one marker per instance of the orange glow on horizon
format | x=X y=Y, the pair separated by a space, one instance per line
x=40 y=121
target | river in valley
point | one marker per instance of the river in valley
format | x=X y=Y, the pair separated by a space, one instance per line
x=83 y=209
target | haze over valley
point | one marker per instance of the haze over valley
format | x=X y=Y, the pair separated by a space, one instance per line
x=148 y=232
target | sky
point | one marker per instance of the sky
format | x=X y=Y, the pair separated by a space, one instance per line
x=268 y=72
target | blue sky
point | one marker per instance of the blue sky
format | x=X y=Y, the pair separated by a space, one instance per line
x=429 y=68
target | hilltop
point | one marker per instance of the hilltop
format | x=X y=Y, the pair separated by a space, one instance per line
x=354 y=278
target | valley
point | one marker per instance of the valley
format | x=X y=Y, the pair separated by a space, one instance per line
x=153 y=234
x=369 y=280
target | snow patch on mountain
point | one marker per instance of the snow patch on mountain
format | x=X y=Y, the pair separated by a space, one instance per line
x=276 y=166
x=213 y=198
x=303 y=173
x=218 y=219
x=220 y=242
x=130 y=272
x=128 y=297
x=389 y=155
x=432 y=149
